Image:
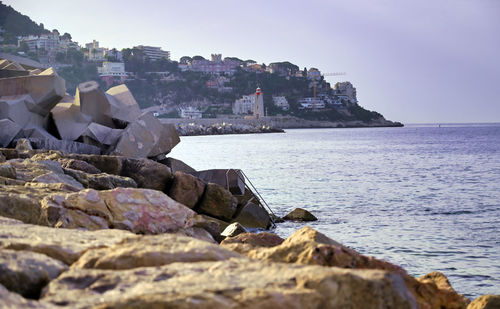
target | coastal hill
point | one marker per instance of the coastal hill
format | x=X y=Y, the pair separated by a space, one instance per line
x=211 y=87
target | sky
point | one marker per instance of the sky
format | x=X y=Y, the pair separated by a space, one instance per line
x=426 y=61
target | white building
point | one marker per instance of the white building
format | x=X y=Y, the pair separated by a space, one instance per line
x=244 y=105
x=45 y=41
x=94 y=52
x=112 y=69
x=311 y=103
x=281 y=102
x=190 y=113
x=154 y=53
x=346 y=89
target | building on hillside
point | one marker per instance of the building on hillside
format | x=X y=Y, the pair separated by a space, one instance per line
x=48 y=42
x=113 y=55
x=281 y=102
x=311 y=103
x=213 y=67
x=216 y=57
x=252 y=104
x=94 y=52
x=190 y=113
x=314 y=74
x=347 y=90
x=154 y=53
x=112 y=72
x=255 y=67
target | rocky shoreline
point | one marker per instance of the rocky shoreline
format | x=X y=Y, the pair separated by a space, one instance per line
x=93 y=214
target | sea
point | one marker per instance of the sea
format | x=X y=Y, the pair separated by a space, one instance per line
x=425 y=197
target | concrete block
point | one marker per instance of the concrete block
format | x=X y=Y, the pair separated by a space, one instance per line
x=46 y=89
x=8 y=130
x=230 y=179
x=66 y=146
x=136 y=141
x=123 y=106
x=94 y=103
x=102 y=134
x=70 y=122
x=15 y=108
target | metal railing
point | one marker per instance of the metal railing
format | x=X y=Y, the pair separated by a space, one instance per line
x=249 y=186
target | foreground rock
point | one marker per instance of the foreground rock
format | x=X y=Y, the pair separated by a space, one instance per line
x=485 y=302
x=309 y=247
x=232 y=283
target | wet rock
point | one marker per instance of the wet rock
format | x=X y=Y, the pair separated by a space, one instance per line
x=299 y=214
x=27 y=272
x=8 y=131
x=485 y=302
x=218 y=202
x=154 y=250
x=233 y=229
x=253 y=216
x=229 y=283
x=186 y=189
x=137 y=210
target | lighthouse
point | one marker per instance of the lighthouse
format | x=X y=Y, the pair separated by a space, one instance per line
x=258 y=108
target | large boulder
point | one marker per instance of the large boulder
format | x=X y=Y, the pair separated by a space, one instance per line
x=147 y=173
x=70 y=122
x=46 y=89
x=101 y=136
x=94 y=103
x=177 y=165
x=65 y=245
x=8 y=131
x=152 y=251
x=27 y=272
x=231 y=179
x=100 y=181
x=232 y=283
x=253 y=216
x=137 y=210
x=186 y=189
x=218 y=202
x=123 y=106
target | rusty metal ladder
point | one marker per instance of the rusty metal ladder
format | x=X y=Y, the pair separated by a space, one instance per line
x=256 y=195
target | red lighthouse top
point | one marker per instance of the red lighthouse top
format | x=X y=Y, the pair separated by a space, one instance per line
x=258 y=91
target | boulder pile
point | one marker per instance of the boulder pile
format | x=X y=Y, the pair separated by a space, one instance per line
x=35 y=105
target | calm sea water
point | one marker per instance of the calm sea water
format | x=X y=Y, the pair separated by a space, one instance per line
x=423 y=197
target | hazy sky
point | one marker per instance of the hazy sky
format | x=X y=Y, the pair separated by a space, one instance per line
x=412 y=61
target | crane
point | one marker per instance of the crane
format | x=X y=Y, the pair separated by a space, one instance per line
x=324 y=74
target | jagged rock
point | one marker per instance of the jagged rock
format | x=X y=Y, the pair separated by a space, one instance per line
x=80 y=166
x=485 y=302
x=26 y=272
x=436 y=284
x=168 y=138
x=233 y=229
x=94 y=103
x=177 y=165
x=231 y=179
x=65 y=245
x=63 y=145
x=23 y=145
x=151 y=251
x=230 y=283
x=107 y=164
x=137 y=210
x=8 y=131
x=299 y=214
x=253 y=216
x=11 y=300
x=245 y=242
x=70 y=122
x=123 y=105
x=46 y=89
x=101 y=181
x=186 y=189
x=52 y=177
x=15 y=108
x=307 y=246
x=218 y=202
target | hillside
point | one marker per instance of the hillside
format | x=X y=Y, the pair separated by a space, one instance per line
x=16 y=24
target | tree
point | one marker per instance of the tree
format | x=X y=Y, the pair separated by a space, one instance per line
x=198 y=58
x=185 y=59
x=66 y=36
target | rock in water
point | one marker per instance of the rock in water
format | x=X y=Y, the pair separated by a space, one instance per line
x=299 y=214
x=485 y=302
x=253 y=216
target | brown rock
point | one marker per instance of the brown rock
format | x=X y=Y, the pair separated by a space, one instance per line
x=177 y=165
x=218 y=202
x=253 y=216
x=299 y=214
x=101 y=181
x=233 y=229
x=11 y=300
x=232 y=283
x=245 y=242
x=147 y=174
x=186 y=189
x=154 y=250
x=137 y=210
x=65 y=245
x=80 y=166
x=26 y=272
x=485 y=302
